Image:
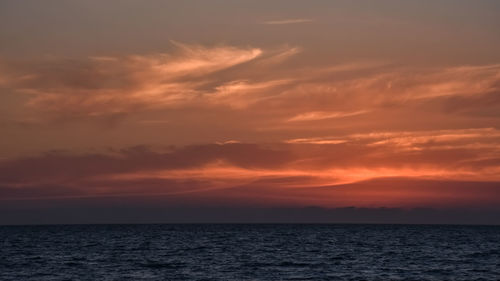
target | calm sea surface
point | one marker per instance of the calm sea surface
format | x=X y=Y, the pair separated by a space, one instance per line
x=249 y=252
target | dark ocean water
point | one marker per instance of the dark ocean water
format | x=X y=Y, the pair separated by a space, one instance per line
x=249 y=252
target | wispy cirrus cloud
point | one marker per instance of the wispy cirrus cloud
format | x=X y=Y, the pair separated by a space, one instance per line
x=320 y=115
x=114 y=85
x=316 y=141
x=245 y=77
x=486 y=138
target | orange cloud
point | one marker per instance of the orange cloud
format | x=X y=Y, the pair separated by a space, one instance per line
x=114 y=85
x=320 y=115
x=300 y=173
x=245 y=77
x=306 y=135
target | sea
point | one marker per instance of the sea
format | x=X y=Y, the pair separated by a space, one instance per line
x=250 y=252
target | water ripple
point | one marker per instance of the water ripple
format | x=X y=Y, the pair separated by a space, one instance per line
x=249 y=252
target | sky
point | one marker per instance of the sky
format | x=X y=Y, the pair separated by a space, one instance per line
x=187 y=111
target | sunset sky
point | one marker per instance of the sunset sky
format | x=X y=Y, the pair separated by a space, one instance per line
x=248 y=104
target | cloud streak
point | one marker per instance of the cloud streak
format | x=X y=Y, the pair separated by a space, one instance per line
x=320 y=115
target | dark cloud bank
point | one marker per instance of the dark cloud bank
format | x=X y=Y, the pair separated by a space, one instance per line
x=116 y=211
